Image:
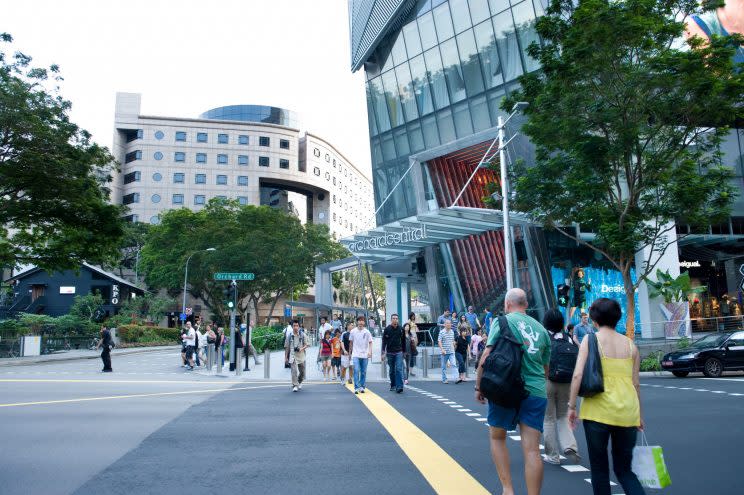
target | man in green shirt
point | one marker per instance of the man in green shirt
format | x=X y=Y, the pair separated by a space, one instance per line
x=531 y=412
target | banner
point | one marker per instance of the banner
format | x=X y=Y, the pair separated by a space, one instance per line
x=604 y=283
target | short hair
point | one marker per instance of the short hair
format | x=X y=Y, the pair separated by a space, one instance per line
x=394 y=315
x=570 y=327
x=517 y=297
x=295 y=321
x=605 y=312
x=411 y=316
x=583 y=313
x=327 y=332
x=361 y=318
x=323 y=318
x=553 y=320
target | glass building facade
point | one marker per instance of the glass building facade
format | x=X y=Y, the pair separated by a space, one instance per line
x=254 y=113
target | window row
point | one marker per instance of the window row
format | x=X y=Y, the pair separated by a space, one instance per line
x=222 y=138
x=178 y=199
x=222 y=159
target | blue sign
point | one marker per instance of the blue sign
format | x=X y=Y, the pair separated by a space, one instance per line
x=604 y=283
x=183 y=316
x=288 y=311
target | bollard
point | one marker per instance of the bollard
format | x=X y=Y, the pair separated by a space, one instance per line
x=383 y=374
x=267 y=364
x=218 y=360
x=467 y=364
x=425 y=361
x=210 y=352
x=238 y=359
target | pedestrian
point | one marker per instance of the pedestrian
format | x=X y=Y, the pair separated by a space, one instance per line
x=558 y=435
x=475 y=342
x=201 y=343
x=336 y=323
x=409 y=352
x=189 y=338
x=487 y=319
x=414 y=342
x=393 y=344
x=347 y=369
x=211 y=337
x=583 y=328
x=472 y=318
x=530 y=414
x=464 y=324
x=455 y=320
x=324 y=325
x=615 y=413
x=239 y=344
x=249 y=349
x=336 y=355
x=444 y=317
x=219 y=346
x=325 y=352
x=360 y=344
x=295 y=345
x=571 y=333
x=184 y=330
x=446 y=341
x=106 y=343
x=461 y=354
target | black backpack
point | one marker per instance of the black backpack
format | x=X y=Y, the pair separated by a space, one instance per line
x=502 y=381
x=563 y=354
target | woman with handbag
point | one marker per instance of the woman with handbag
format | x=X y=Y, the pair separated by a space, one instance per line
x=606 y=375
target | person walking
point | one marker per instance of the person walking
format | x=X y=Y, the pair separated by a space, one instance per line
x=189 y=339
x=324 y=325
x=336 y=355
x=472 y=318
x=360 y=344
x=106 y=343
x=393 y=344
x=414 y=342
x=475 y=341
x=530 y=414
x=219 y=347
x=446 y=342
x=444 y=317
x=464 y=324
x=239 y=344
x=583 y=328
x=615 y=413
x=249 y=349
x=461 y=354
x=295 y=345
x=324 y=354
x=487 y=319
x=409 y=352
x=201 y=343
x=346 y=366
x=556 y=429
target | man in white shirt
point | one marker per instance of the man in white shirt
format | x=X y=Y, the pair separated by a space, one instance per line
x=324 y=325
x=189 y=338
x=360 y=341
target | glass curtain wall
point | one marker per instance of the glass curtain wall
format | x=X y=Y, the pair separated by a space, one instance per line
x=439 y=78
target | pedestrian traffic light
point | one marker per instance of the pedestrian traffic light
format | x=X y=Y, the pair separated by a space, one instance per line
x=563 y=291
x=231 y=295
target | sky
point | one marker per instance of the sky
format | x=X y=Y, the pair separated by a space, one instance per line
x=186 y=57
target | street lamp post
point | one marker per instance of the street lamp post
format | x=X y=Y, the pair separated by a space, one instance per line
x=186 y=277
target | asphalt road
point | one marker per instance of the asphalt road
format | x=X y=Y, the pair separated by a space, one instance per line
x=150 y=427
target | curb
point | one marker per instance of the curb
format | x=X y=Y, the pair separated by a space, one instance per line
x=23 y=362
x=655 y=373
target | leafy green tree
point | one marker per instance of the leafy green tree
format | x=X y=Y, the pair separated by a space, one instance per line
x=87 y=307
x=132 y=241
x=626 y=117
x=54 y=211
x=270 y=243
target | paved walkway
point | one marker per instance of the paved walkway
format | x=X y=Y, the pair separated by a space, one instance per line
x=78 y=354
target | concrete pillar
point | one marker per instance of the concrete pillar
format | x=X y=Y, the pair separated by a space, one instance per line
x=405 y=301
x=323 y=287
x=392 y=297
x=432 y=283
x=651 y=315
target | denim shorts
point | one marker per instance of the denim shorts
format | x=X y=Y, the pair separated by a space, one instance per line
x=531 y=413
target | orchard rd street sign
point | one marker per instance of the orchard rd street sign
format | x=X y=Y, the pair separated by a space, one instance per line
x=234 y=276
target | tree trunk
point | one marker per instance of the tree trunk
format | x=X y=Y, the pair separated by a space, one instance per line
x=630 y=303
x=273 y=305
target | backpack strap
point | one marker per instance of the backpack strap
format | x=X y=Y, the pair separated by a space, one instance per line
x=504 y=323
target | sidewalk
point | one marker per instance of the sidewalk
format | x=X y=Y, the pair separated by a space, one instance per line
x=78 y=354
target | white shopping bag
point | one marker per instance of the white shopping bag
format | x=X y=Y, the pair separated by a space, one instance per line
x=648 y=465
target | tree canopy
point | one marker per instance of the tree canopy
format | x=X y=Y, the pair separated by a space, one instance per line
x=54 y=210
x=626 y=117
x=272 y=244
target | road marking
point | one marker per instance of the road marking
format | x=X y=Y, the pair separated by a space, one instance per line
x=685 y=388
x=441 y=400
x=718 y=391
x=472 y=415
x=516 y=438
x=455 y=406
x=449 y=402
x=464 y=410
x=574 y=468
x=481 y=419
x=701 y=390
x=133 y=396
x=736 y=395
x=589 y=480
x=724 y=379
x=424 y=453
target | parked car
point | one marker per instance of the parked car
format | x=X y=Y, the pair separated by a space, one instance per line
x=713 y=354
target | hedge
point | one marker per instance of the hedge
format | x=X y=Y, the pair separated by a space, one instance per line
x=148 y=334
x=271 y=338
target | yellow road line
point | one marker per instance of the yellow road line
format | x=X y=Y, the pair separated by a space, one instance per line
x=131 y=396
x=442 y=472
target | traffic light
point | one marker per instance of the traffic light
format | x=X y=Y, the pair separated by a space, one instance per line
x=563 y=291
x=232 y=295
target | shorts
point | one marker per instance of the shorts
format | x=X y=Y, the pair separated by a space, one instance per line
x=345 y=361
x=189 y=351
x=325 y=358
x=336 y=361
x=531 y=413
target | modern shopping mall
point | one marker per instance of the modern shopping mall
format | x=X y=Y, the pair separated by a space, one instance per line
x=436 y=72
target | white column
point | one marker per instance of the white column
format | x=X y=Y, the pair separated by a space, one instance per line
x=405 y=301
x=392 y=297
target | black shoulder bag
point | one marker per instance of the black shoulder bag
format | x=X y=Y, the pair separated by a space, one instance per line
x=592 y=381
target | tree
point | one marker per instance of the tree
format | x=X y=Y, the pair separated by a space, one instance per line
x=53 y=209
x=626 y=118
x=272 y=244
x=87 y=307
x=132 y=241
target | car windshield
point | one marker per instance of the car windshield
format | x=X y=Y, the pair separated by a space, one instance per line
x=710 y=341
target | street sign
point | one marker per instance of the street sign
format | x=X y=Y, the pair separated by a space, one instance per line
x=234 y=276
x=288 y=311
x=183 y=316
x=300 y=315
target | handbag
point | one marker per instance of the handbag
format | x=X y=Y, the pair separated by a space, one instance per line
x=649 y=466
x=592 y=381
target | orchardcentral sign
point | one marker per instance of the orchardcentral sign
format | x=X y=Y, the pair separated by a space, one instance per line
x=389 y=240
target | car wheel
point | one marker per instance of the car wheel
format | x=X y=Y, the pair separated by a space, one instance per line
x=680 y=374
x=713 y=368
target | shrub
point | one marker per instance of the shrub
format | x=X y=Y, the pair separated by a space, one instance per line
x=683 y=343
x=148 y=334
x=652 y=362
x=271 y=338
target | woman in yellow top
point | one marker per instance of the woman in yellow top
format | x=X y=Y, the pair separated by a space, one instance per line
x=616 y=412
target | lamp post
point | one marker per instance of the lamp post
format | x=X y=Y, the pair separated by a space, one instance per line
x=505 y=193
x=186 y=277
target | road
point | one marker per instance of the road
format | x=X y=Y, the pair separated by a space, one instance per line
x=151 y=427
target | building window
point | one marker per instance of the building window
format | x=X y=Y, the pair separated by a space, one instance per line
x=131 y=218
x=200 y=179
x=133 y=135
x=155 y=219
x=220 y=197
x=180 y=136
x=158 y=156
x=242 y=159
x=155 y=198
x=132 y=156
x=179 y=178
x=327 y=176
x=222 y=159
x=201 y=137
x=178 y=199
x=199 y=199
x=242 y=180
x=243 y=139
x=264 y=141
x=283 y=163
x=222 y=180
x=157 y=177
x=222 y=138
x=130 y=198
x=334 y=181
x=179 y=156
x=284 y=144
x=201 y=158
x=334 y=199
x=328 y=158
x=263 y=161
x=316 y=171
x=242 y=200
x=159 y=135
x=316 y=152
x=132 y=177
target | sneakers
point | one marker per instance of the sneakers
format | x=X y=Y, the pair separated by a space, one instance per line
x=459 y=380
x=294 y=389
x=356 y=392
x=300 y=386
x=572 y=456
x=552 y=460
x=405 y=382
x=349 y=381
x=412 y=373
x=445 y=382
x=400 y=391
x=392 y=388
x=362 y=390
x=190 y=368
